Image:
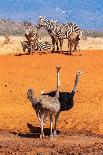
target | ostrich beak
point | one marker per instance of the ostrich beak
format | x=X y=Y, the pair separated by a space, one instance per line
x=80 y=72
x=42 y=92
x=58 y=67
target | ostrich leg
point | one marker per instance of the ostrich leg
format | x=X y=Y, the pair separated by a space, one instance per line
x=51 y=131
x=55 y=125
x=42 y=127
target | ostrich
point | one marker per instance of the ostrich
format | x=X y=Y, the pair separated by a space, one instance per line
x=66 y=99
x=45 y=106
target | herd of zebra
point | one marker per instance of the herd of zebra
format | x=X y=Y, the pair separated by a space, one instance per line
x=57 y=31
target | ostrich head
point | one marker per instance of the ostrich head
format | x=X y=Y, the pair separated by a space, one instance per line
x=30 y=93
x=77 y=80
x=58 y=68
x=79 y=73
x=30 y=96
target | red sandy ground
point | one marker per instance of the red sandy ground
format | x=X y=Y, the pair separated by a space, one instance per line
x=80 y=129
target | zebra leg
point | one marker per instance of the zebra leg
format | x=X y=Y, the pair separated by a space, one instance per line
x=61 y=45
x=71 y=48
x=33 y=46
x=29 y=46
x=69 y=45
x=75 y=46
x=53 y=43
x=57 y=45
x=24 y=47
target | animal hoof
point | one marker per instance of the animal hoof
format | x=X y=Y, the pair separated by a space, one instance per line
x=41 y=136
x=51 y=136
x=55 y=134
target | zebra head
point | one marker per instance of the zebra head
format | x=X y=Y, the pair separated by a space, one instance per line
x=44 y=22
x=24 y=46
x=41 y=21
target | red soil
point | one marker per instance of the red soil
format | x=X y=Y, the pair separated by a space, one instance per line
x=18 y=73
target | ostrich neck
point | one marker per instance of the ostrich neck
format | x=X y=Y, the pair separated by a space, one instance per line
x=58 y=84
x=76 y=83
x=33 y=100
x=58 y=80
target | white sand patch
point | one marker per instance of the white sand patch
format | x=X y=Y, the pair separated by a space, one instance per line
x=14 y=47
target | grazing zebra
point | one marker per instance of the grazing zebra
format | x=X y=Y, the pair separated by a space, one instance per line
x=28 y=46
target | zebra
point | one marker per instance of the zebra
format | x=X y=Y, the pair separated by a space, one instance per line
x=59 y=32
x=73 y=33
x=51 y=27
x=31 y=35
x=43 y=46
x=27 y=46
x=65 y=31
x=71 y=27
x=39 y=46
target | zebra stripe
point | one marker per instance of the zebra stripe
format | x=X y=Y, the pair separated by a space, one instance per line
x=58 y=32
x=43 y=46
x=71 y=27
x=51 y=27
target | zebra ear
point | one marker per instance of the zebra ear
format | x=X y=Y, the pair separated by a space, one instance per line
x=51 y=21
x=56 y=21
x=40 y=16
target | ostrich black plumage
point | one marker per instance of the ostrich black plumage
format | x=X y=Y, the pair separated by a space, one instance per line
x=66 y=99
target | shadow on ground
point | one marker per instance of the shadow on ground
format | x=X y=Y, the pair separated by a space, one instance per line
x=35 y=132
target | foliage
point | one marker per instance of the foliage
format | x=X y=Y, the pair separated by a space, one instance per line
x=18 y=29
x=91 y=33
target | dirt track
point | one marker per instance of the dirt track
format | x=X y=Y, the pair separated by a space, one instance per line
x=69 y=143
x=38 y=71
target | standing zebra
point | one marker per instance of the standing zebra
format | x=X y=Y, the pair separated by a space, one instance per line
x=59 y=32
x=53 y=29
x=71 y=27
x=73 y=33
x=31 y=35
x=67 y=31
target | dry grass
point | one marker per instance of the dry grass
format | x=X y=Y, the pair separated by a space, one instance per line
x=14 y=47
